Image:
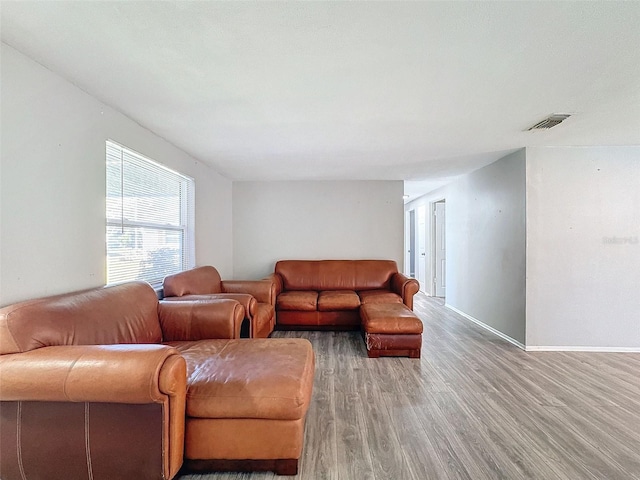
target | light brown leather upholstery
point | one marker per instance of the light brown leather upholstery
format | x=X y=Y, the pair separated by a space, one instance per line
x=198 y=281
x=336 y=274
x=379 y=296
x=390 y=318
x=257 y=296
x=200 y=319
x=328 y=293
x=127 y=373
x=241 y=438
x=303 y=301
x=247 y=301
x=55 y=320
x=391 y=330
x=331 y=300
x=88 y=391
x=262 y=290
x=261 y=378
x=97 y=347
x=247 y=398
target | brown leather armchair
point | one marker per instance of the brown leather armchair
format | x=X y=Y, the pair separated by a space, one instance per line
x=258 y=297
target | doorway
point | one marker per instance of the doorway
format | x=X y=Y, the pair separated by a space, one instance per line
x=439 y=253
x=410 y=243
x=415 y=235
x=421 y=240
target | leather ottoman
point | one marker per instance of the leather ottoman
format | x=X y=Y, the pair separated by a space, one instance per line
x=391 y=330
x=246 y=403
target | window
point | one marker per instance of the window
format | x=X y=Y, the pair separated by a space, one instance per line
x=150 y=218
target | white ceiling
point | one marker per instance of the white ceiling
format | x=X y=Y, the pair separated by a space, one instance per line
x=418 y=91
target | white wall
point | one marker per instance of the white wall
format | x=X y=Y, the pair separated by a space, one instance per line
x=485 y=244
x=486 y=240
x=52 y=190
x=583 y=243
x=315 y=220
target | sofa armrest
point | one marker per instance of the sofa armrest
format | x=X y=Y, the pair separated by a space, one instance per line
x=264 y=291
x=247 y=301
x=278 y=284
x=200 y=319
x=58 y=391
x=405 y=287
x=132 y=373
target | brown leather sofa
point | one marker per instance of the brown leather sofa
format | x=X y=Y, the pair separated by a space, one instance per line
x=256 y=296
x=111 y=384
x=328 y=293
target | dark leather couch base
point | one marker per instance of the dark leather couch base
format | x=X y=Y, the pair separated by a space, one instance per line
x=393 y=353
x=398 y=345
x=315 y=320
x=322 y=328
x=287 y=466
x=87 y=440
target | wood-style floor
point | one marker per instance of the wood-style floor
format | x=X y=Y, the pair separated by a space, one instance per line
x=473 y=407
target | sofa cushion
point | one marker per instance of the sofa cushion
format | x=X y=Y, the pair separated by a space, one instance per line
x=302 y=301
x=331 y=300
x=389 y=318
x=248 y=378
x=379 y=296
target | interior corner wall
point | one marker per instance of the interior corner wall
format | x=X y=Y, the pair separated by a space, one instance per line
x=52 y=189
x=485 y=245
x=583 y=244
x=315 y=220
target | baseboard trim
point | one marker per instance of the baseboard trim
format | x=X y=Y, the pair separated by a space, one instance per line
x=487 y=327
x=574 y=348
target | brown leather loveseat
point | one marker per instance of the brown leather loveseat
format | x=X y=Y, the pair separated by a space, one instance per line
x=111 y=384
x=329 y=293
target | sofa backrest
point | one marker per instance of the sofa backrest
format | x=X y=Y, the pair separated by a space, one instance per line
x=336 y=274
x=125 y=313
x=197 y=281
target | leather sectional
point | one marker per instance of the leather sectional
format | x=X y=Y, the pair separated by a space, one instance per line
x=110 y=383
x=328 y=294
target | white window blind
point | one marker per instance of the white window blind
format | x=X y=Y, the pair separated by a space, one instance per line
x=150 y=218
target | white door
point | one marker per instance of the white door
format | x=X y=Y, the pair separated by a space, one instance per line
x=439 y=250
x=421 y=258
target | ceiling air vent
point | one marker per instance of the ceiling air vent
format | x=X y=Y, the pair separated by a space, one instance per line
x=550 y=121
